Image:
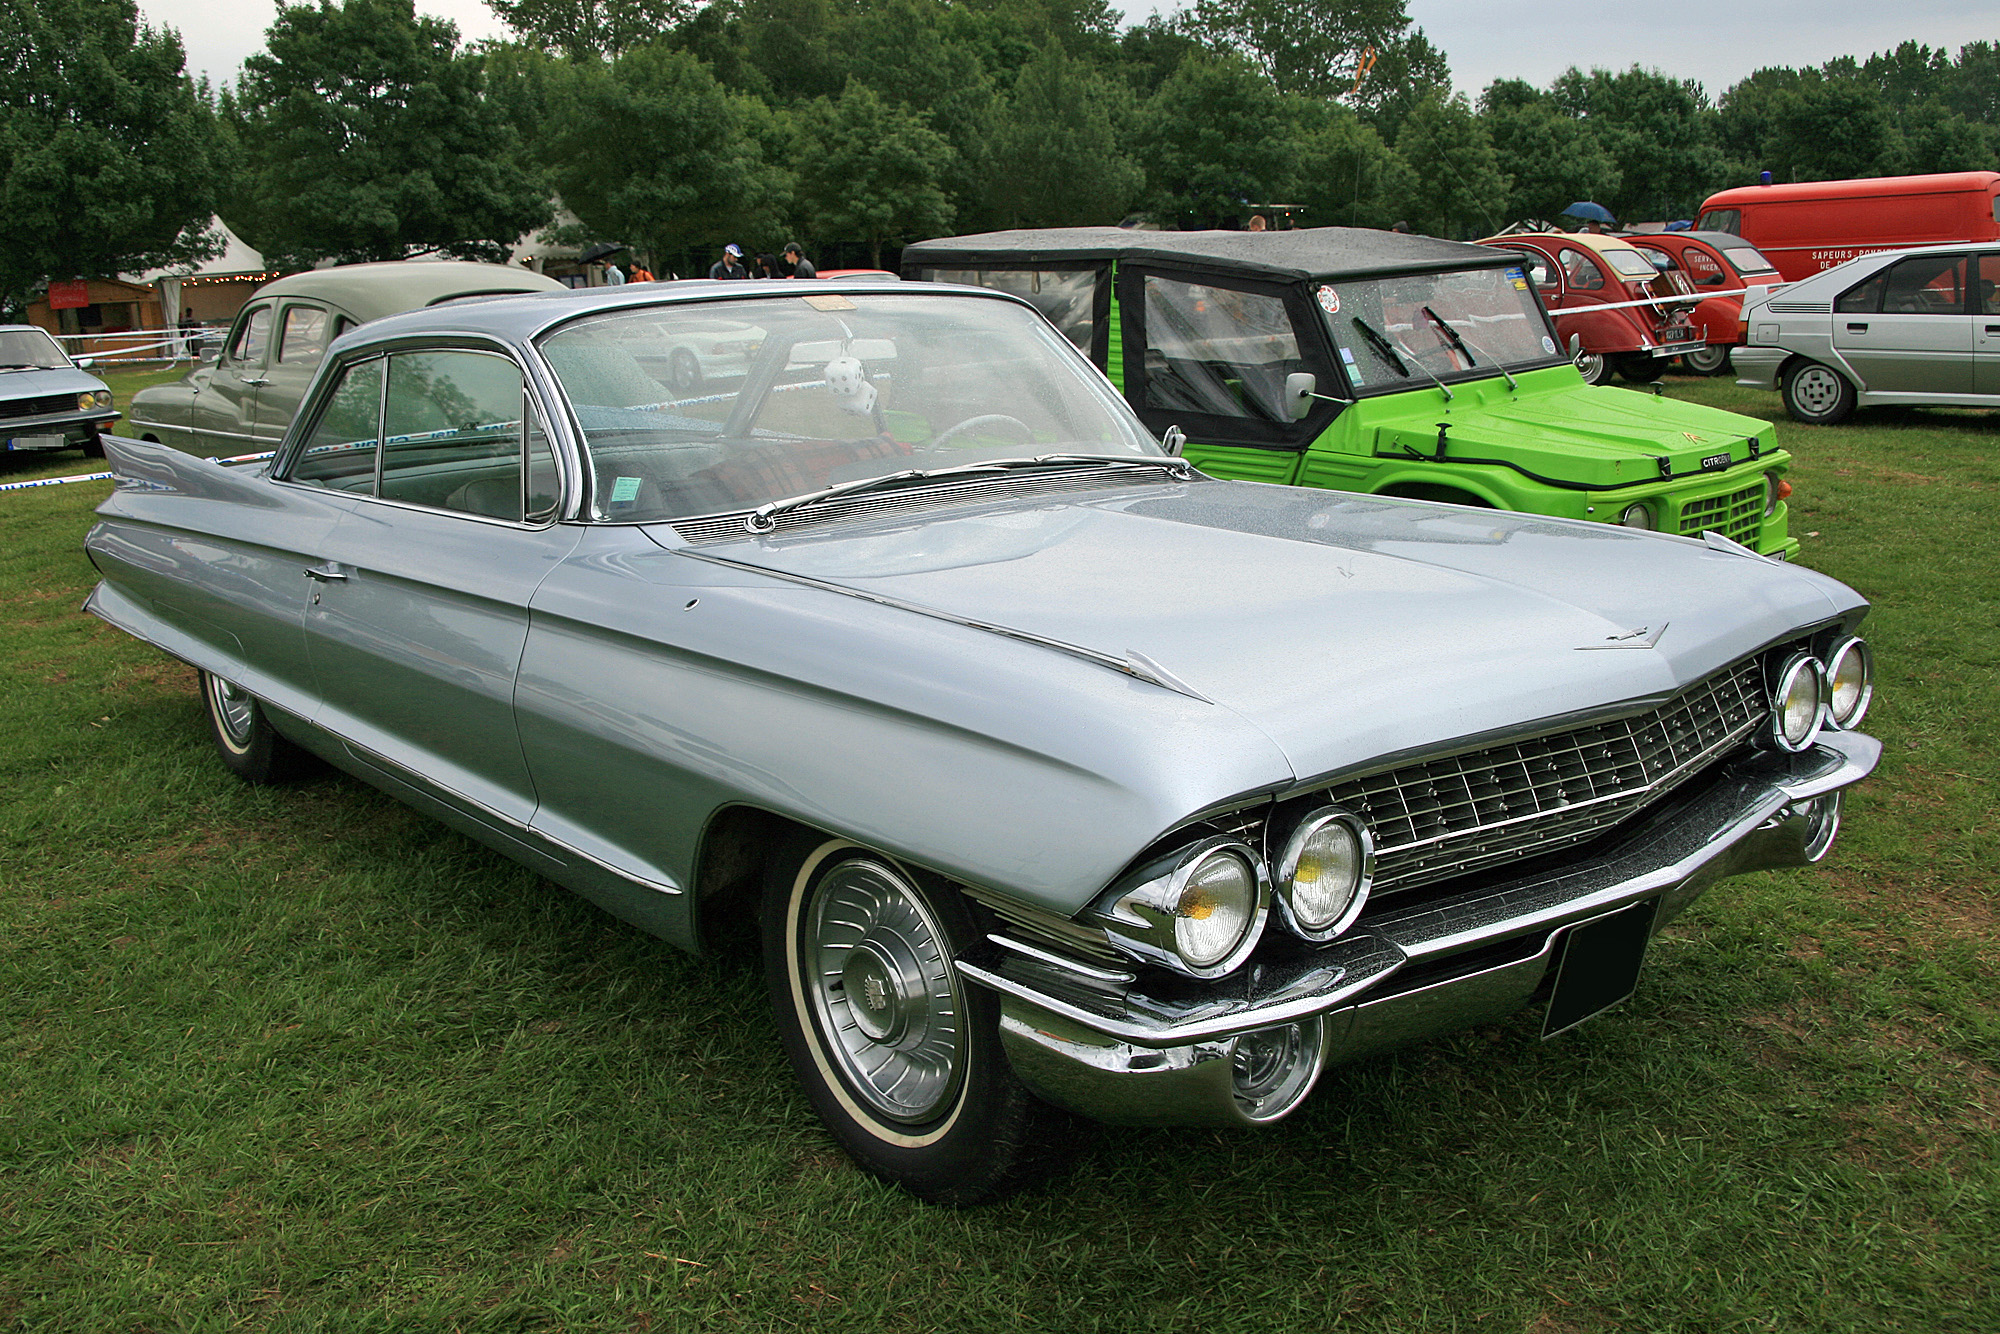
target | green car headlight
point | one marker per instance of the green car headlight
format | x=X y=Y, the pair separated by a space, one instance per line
x=1638 y=516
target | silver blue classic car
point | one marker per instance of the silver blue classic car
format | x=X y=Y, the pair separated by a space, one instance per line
x=47 y=401
x=1059 y=777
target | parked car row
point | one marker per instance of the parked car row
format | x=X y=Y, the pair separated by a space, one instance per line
x=1059 y=776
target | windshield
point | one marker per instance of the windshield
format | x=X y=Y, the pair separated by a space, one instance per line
x=30 y=348
x=723 y=406
x=1389 y=331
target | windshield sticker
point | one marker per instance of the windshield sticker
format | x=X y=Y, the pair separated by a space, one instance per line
x=1519 y=279
x=625 y=490
x=1548 y=345
x=1353 y=367
x=1329 y=300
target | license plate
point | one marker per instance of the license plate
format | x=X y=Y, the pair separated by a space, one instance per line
x=36 y=442
x=1599 y=966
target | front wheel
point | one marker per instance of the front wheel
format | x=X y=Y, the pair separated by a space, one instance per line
x=1595 y=366
x=244 y=737
x=1817 y=395
x=1708 y=359
x=899 y=1054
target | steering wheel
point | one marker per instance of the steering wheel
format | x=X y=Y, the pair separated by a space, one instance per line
x=985 y=419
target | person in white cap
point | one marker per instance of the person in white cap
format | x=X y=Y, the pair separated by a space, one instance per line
x=730 y=265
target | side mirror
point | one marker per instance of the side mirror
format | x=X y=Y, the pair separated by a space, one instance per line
x=85 y=363
x=1174 y=441
x=1299 y=387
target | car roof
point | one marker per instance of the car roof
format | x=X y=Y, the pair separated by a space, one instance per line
x=375 y=291
x=1598 y=241
x=1300 y=253
x=521 y=319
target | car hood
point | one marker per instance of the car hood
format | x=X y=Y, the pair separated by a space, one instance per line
x=1560 y=430
x=34 y=383
x=1343 y=627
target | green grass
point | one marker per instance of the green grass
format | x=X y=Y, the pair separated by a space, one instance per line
x=301 y=1059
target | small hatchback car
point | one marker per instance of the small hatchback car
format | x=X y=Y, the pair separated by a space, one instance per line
x=1911 y=326
x=1720 y=268
x=47 y=401
x=1612 y=304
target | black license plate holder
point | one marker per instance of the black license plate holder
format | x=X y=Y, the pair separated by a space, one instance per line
x=1599 y=966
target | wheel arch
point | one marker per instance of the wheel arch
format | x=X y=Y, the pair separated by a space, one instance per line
x=1404 y=486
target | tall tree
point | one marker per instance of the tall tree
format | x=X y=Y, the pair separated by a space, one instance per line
x=581 y=29
x=1313 y=47
x=1554 y=159
x=1403 y=71
x=1831 y=129
x=108 y=156
x=367 y=135
x=651 y=150
x=1346 y=176
x=1056 y=160
x=871 y=171
x=1659 y=130
x=1459 y=191
x=1215 y=140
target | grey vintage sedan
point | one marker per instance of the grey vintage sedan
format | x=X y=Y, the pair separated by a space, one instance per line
x=1060 y=778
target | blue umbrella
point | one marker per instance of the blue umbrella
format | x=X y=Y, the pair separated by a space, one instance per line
x=1589 y=212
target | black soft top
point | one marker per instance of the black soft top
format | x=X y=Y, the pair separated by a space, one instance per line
x=1303 y=253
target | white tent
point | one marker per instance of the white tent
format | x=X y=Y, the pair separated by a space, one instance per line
x=237 y=260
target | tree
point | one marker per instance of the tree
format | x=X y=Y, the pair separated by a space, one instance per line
x=367 y=136
x=1460 y=191
x=1554 y=160
x=1056 y=160
x=1312 y=47
x=1216 y=139
x=1660 y=132
x=1832 y=129
x=872 y=171
x=651 y=150
x=582 y=29
x=1405 y=71
x=1347 y=177
x=108 y=155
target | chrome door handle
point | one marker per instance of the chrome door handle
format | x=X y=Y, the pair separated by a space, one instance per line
x=329 y=573
x=1857 y=328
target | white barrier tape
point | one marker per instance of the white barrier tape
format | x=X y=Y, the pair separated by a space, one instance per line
x=108 y=476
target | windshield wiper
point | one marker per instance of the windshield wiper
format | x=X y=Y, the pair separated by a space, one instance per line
x=1459 y=342
x=765 y=517
x=1383 y=347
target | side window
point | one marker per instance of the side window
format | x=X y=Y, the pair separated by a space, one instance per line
x=452 y=433
x=1703 y=268
x=252 y=337
x=1987 y=292
x=1863 y=298
x=1926 y=285
x=340 y=453
x=1540 y=271
x=1581 y=271
x=1722 y=220
x=303 y=337
x=1067 y=299
x=1218 y=350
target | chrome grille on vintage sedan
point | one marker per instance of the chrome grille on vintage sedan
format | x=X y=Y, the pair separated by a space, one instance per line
x=1443 y=818
x=1737 y=515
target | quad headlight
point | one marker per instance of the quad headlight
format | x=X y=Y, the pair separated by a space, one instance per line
x=96 y=400
x=1798 y=703
x=1324 y=873
x=1850 y=679
x=1198 y=911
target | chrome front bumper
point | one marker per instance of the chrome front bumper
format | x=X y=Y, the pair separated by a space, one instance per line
x=1117 y=1053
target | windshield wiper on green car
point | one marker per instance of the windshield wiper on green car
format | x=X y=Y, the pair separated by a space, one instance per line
x=1458 y=342
x=1383 y=347
x=765 y=517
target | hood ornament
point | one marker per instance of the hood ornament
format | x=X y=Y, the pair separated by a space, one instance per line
x=1643 y=637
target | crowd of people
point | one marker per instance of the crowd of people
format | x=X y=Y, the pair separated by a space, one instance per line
x=792 y=263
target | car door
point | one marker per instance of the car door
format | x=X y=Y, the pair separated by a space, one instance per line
x=224 y=413
x=302 y=331
x=1908 y=329
x=1986 y=328
x=418 y=613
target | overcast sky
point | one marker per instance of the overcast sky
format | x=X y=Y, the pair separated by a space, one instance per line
x=1717 y=42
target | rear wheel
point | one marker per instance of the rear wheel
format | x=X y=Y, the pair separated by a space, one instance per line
x=1641 y=368
x=899 y=1054
x=244 y=737
x=1817 y=395
x=1595 y=366
x=1708 y=359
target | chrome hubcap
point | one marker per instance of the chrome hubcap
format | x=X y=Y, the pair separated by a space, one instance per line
x=1591 y=364
x=1817 y=390
x=233 y=709
x=884 y=991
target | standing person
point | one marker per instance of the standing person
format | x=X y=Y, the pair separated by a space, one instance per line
x=730 y=265
x=1257 y=223
x=796 y=263
x=640 y=273
x=613 y=276
x=765 y=267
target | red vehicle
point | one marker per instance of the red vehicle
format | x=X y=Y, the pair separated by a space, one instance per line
x=1719 y=267
x=1614 y=308
x=1815 y=225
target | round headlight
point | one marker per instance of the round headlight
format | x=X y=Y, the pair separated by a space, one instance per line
x=1850 y=679
x=1324 y=874
x=1798 y=705
x=1775 y=492
x=1638 y=516
x=1215 y=909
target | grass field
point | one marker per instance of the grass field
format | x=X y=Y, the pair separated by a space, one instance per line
x=300 y=1059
